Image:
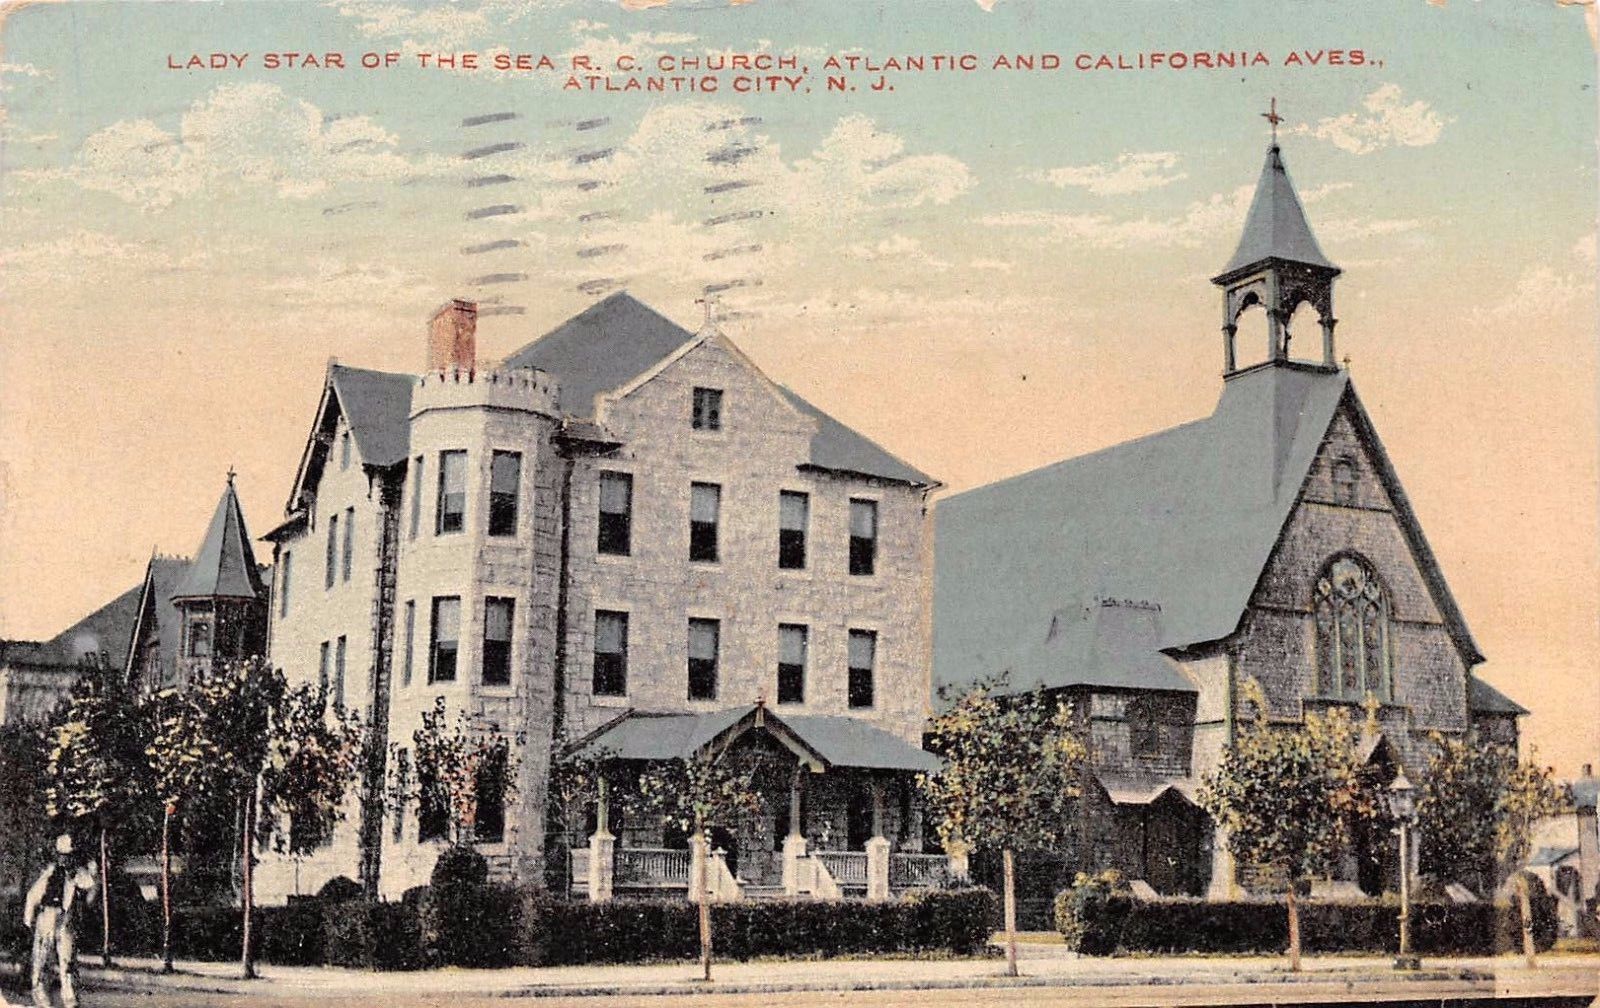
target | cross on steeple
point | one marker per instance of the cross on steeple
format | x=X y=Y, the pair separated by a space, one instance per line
x=230 y=475
x=1272 y=116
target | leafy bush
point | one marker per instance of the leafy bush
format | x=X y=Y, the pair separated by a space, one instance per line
x=1097 y=922
x=1543 y=906
x=561 y=933
x=1088 y=917
x=460 y=865
x=289 y=935
x=470 y=925
x=340 y=887
x=368 y=935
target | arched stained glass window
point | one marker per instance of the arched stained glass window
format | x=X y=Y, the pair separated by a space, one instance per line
x=1352 y=619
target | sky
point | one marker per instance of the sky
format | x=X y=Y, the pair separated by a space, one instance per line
x=985 y=270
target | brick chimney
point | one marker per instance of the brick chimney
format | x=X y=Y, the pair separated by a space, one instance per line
x=453 y=337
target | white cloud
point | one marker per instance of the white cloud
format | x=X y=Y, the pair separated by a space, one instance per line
x=435 y=27
x=900 y=249
x=1355 y=229
x=995 y=265
x=1199 y=223
x=1549 y=288
x=1384 y=121
x=253 y=134
x=24 y=70
x=1130 y=173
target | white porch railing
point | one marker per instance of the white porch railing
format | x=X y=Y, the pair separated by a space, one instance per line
x=660 y=867
x=848 y=868
x=917 y=871
x=578 y=866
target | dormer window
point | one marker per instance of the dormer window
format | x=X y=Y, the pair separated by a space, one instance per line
x=1352 y=615
x=707 y=409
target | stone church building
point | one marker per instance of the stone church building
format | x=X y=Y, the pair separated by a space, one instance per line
x=1271 y=540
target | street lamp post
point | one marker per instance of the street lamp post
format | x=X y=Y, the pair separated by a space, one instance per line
x=1402 y=801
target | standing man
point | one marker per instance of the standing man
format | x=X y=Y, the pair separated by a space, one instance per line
x=49 y=911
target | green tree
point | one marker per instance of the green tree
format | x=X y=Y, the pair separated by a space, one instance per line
x=455 y=760
x=1477 y=809
x=1287 y=797
x=313 y=753
x=182 y=757
x=98 y=779
x=714 y=789
x=24 y=824
x=578 y=780
x=1012 y=766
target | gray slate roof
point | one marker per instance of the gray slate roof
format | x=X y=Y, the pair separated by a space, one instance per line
x=377 y=406
x=1586 y=792
x=107 y=629
x=1275 y=227
x=1551 y=856
x=620 y=338
x=1108 y=644
x=839 y=741
x=1184 y=519
x=1485 y=699
x=225 y=565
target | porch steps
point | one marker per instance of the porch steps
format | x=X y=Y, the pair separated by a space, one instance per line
x=763 y=892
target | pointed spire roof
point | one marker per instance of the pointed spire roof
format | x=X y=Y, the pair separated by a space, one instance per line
x=225 y=566
x=1276 y=226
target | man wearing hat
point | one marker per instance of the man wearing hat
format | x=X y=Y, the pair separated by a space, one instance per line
x=49 y=911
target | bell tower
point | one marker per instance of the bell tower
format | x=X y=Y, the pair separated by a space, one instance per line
x=1278 y=266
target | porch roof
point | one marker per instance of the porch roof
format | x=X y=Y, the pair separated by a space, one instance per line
x=1130 y=789
x=827 y=740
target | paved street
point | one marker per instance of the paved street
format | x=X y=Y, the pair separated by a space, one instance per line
x=1052 y=977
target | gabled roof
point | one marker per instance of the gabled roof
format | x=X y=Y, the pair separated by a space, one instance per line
x=616 y=341
x=161 y=578
x=225 y=565
x=1485 y=699
x=377 y=406
x=1276 y=227
x=107 y=631
x=1143 y=789
x=826 y=740
x=600 y=349
x=1185 y=519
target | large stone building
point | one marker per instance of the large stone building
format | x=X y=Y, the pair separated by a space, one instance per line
x=623 y=535
x=1271 y=541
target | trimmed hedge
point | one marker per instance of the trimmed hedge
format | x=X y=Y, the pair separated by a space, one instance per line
x=1095 y=918
x=492 y=925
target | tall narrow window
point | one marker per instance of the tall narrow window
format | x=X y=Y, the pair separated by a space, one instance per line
x=610 y=653
x=433 y=805
x=497 y=613
x=199 y=637
x=794 y=511
x=616 y=514
x=705 y=505
x=339 y=650
x=863 y=536
x=505 y=482
x=489 y=788
x=410 y=650
x=324 y=667
x=285 y=567
x=707 y=409
x=703 y=634
x=344 y=448
x=863 y=654
x=333 y=551
x=452 y=503
x=349 y=539
x=792 y=663
x=445 y=640
x=1351 y=610
x=416 y=495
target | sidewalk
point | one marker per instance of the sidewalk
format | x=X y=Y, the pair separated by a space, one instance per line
x=1042 y=966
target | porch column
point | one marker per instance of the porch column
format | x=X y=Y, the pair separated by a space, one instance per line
x=1224 y=872
x=956 y=852
x=877 y=850
x=794 y=844
x=602 y=850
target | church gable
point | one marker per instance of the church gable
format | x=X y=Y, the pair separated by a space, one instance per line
x=1351 y=601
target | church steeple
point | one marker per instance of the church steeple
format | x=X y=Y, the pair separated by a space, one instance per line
x=1278 y=265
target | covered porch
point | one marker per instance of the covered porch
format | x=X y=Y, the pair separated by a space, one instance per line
x=841 y=813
